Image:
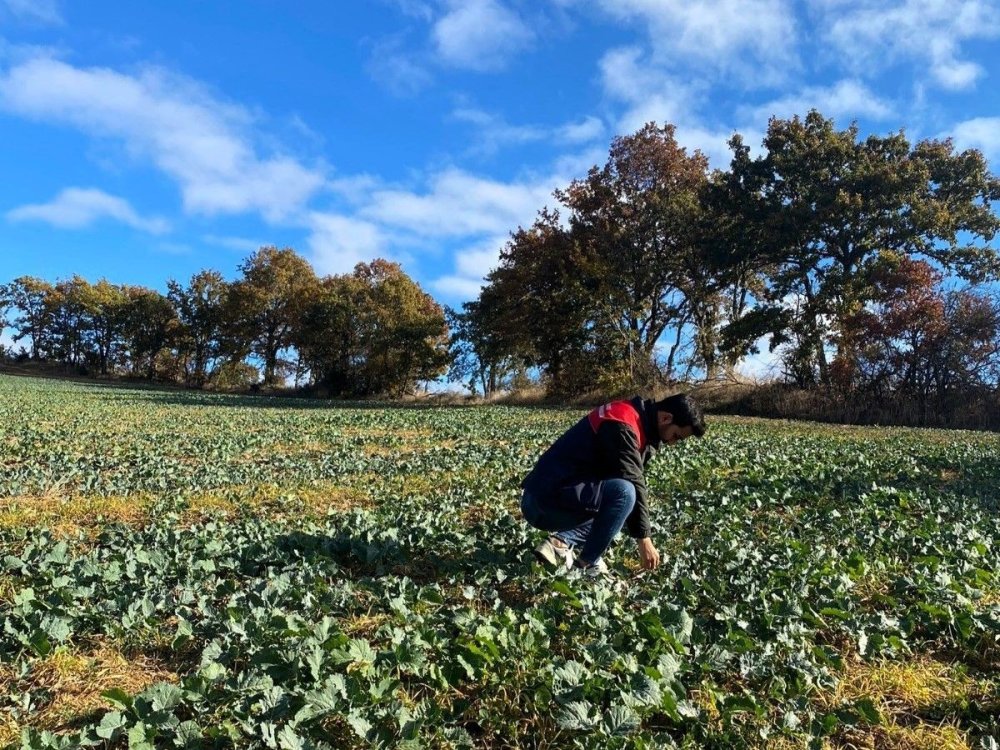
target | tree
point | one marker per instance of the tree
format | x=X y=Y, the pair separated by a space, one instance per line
x=268 y=302
x=70 y=307
x=536 y=306
x=199 y=309
x=917 y=340
x=29 y=298
x=104 y=305
x=372 y=332
x=404 y=335
x=589 y=302
x=149 y=323
x=637 y=220
x=479 y=358
x=833 y=204
x=328 y=337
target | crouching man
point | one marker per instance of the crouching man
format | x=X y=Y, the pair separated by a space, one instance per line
x=589 y=483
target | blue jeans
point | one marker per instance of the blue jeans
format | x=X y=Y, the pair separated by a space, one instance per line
x=588 y=514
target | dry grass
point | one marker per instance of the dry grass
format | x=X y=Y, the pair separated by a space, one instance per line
x=75 y=681
x=990 y=598
x=364 y=625
x=407 y=447
x=902 y=687
x=922 y=736
x=7 y=589
x=305 y=501
x=68 y=515
x=76 y=516
x=906 y=695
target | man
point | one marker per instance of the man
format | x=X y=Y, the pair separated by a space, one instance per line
x=589 y=483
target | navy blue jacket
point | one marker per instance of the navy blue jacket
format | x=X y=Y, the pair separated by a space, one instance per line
x=614 y=441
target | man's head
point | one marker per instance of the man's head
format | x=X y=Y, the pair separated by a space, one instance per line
x=679 y=417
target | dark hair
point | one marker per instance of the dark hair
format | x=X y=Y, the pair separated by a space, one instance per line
x=686 y=412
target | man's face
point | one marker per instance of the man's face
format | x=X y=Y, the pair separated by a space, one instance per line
x=669 y=432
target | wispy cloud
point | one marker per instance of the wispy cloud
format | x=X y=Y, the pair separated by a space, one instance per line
x=174 y=248
x=337 y=243
x=459 y=204
x=753 y=39
x=849 y=99
x=493 y=132
x=205 y=145
x=240 y=244
x=471 y=266
x=40 y=11
x=982 y=133
x=399 y=71
x=651 y=95
x=75 y=208
x=480 y=34
x=869 y=34
x=647 y=91
x=414 y=8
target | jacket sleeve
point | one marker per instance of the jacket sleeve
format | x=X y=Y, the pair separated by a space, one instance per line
x=620 y=453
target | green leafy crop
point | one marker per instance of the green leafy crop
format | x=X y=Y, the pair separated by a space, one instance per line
x=216 y=544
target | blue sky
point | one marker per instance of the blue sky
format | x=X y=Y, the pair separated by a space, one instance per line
x=145 y=141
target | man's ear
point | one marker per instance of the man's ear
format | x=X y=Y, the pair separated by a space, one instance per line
x=665 y=417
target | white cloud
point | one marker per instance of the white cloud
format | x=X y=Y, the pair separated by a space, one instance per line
x=649 y=93
x=202 y=143
x=471 y=266
x=459 y=204
x=588 y=129
x=338 y=243
x=479 y=34
x=42 y=11
x=174 y=248
x=493 y=132
x=755 y=39
x=763 y=366
x=573 y=166
x=75 y=208
x=846 y=99
x=415 y=9
x=870 y=33
x=240 y=244
x=396 y=70
x=457 y=287
x=982 y=133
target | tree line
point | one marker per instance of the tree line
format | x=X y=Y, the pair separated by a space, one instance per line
x=863 y=264
x=370 y=332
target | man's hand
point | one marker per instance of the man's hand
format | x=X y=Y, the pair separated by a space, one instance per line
x=648 y=554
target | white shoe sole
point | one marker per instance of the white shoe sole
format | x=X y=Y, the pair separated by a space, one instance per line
x=548 y=553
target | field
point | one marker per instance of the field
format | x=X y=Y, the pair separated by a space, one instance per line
x=202 y=571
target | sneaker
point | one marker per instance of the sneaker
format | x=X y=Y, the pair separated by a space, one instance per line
x=597 y=569
x=555 y=552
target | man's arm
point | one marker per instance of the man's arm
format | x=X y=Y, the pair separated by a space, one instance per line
x=620 y=449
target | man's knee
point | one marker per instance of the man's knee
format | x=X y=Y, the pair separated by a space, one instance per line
x=530 y=510
x=620 y=492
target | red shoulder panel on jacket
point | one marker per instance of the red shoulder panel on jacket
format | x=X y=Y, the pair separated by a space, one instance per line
x=618 y=411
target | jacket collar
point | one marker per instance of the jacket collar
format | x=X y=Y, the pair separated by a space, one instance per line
x=647 y=412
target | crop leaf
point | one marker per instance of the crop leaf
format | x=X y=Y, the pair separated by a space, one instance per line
x=575 y=715
x=619 y=720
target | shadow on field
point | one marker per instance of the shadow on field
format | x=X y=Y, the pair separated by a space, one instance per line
x=364 y=560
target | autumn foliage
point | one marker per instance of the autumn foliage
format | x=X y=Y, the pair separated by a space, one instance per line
x=373 y=332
